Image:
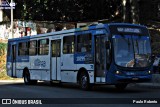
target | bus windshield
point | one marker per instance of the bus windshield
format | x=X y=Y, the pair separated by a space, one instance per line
x=132 y=50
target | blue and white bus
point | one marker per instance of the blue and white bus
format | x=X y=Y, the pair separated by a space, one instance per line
x=115 y=53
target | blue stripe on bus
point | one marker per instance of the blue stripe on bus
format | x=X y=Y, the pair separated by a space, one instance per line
x=19 y=59
x=19 y=39
x=22 y=59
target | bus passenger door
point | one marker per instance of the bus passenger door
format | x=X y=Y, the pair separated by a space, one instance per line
x=13 y=61
x=55 y=59
x=100 y=58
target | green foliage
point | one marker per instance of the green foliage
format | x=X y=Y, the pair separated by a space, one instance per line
x=66 y=10
x=155 y=41
x=3 y=75
x=3 y=47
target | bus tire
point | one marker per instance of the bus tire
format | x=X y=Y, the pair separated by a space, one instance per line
x=27 y=80
x=121 y=86
x=33 y=82
x=84 y=81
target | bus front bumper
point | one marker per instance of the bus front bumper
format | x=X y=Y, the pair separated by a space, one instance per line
x=132 y=79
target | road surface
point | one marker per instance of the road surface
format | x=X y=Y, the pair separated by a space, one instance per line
x=71 y=95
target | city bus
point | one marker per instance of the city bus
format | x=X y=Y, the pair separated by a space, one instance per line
x=115 y=54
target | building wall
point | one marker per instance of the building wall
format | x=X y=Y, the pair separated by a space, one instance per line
x=29 y=28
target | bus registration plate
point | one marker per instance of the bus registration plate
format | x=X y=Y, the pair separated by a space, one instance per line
x=135 y=79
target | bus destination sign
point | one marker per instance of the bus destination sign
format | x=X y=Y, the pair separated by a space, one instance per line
x=129 y=30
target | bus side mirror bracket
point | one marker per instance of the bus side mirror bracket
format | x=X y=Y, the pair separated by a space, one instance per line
x=107 y=44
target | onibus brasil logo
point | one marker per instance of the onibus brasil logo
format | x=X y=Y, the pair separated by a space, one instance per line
x=4 y=4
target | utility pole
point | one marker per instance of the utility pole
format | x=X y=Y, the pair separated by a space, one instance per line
x=12 y=18
x=1 y=13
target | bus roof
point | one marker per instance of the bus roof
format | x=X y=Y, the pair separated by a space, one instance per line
x=91 y=27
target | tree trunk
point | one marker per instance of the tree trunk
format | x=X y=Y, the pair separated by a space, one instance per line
x=134 y=11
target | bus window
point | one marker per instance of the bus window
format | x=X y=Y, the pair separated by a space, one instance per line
x=43 y=47
x=56 y=48
x=84 y=43
x=22 y=49
x=33 y=47
x=68 y=44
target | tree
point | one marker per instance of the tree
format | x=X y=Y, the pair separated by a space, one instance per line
x=130 y=11
x=2 y=55
x=67 y=10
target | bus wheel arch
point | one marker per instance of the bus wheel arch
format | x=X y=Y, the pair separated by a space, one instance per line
x=83 y=79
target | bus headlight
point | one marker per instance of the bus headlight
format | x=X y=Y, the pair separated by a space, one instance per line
x=149 y=72
x=117 y=72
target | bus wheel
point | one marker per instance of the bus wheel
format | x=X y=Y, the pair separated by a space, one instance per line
x=27 y=80
x=33 y=82
x=84 y=81
x=121 y=86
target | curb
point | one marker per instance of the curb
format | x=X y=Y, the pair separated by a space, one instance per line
x=148 y=85
x=154 y=83
x=155 y=78
x=11 y=80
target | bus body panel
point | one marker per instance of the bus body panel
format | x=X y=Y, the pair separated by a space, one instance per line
x=69 y=76
x=68 y=67
x=40 y=64
x=65 y=67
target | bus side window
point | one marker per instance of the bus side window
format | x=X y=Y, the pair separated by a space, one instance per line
x=23 y=49
x=32 y=47
x=84 y=43
x=43 y=47
x=68 y=44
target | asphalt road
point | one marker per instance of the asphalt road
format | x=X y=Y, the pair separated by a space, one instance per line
x=70 y=94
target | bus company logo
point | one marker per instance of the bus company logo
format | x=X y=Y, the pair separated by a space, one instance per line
x=80 y=58
x=38 y=62
x=6 y=5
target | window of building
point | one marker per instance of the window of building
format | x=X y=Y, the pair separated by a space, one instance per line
x=33 y=47
x=84 y=43
x=68 y=44
x=43 y=47
x=23 y=49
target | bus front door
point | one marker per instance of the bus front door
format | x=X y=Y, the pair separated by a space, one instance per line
x=13 y=61
x=55 y=59
x=100 y=58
